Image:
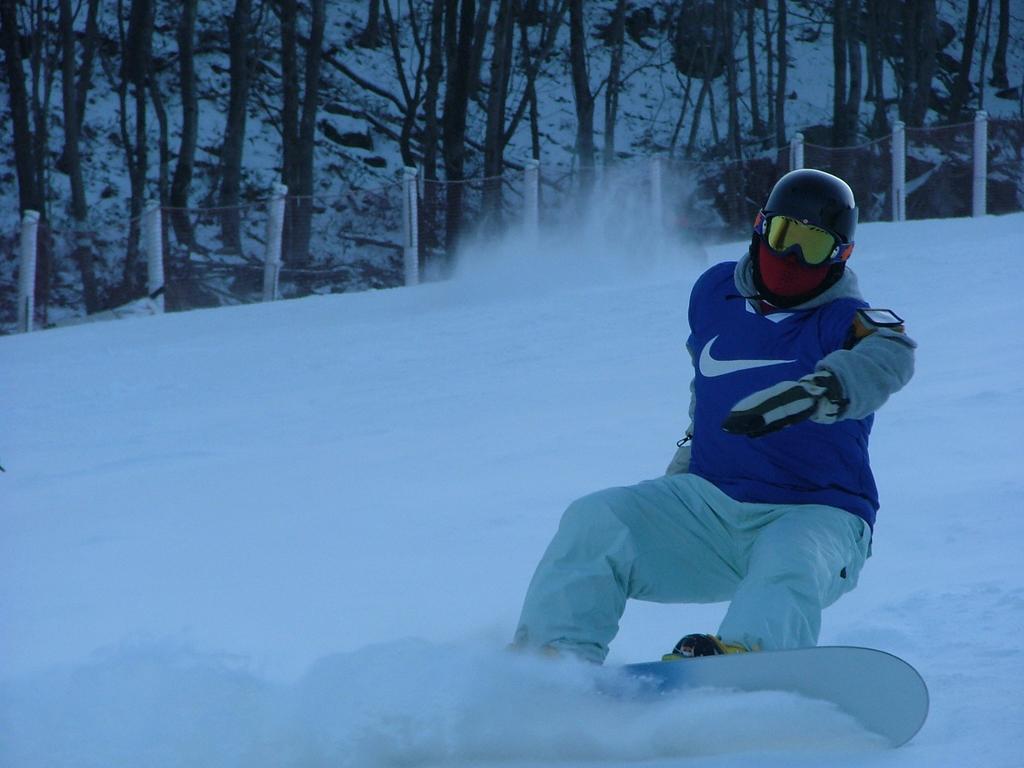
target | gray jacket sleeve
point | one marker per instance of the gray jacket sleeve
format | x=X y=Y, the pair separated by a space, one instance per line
x=876 y=367
x=680 y=463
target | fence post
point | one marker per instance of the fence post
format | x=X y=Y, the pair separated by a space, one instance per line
x=657 y=195
x=796 y=152
x=27 y=270
x=899 y=172
x=152 y=223
x=531 y=198
x=979 y=200
x=275 y=231
x=410 y=226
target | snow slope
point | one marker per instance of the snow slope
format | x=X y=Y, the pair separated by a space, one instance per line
x=298 y=534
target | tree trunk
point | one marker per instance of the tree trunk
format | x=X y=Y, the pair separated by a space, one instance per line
x=435 y=71
x=290 y=94
x=709 y=54
x=233 y=149
x=999 y=77
x=716 y=137
x=535 y=145
x=684 y=104
x=480 y=27
x=89 y=45
x=928 y=26
x=731 y=79
x=582 y=95
x=532 y=59
x=370 y=36
x=698 y=110
x=919 y=46
x=839 y=122
x=755 y=100
x=29 y=193
x=876 y=15
x=962 y=84
x=459 y=40
x=770 y=73
x=135 y=73
x=303 y=210
x=72 y=159
x=82 y=85
x=411 y=95
x=986 y=46
x=611 y=94
x=855 y=61
x=780 y=87
x=181 y=183
x=494 y=140
x=164 y=142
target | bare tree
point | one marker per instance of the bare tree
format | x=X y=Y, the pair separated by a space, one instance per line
x=10 y=41
x=962 y=84
x=839 y=122
x=298 y=119
x=728 y=12
x=412 y=92
x=752 y=59
x=461 y=59
x=780 y=86
x=497 y=95
x=435 y=71
x=617 y=40
x=533 y=57
x=876 y=20
x=82 y=252
x=769 y=48
x=855 y=60
x=290 y=93
x=232 y=151
x=136 y=45
x=710 y=54
x=582 y=95
x=181 y=183
x=919 y=26
x=89 y=44
x=370 y=36
x=83 y=71
x=163 y=135
x=29 y=193
x=43 y=54
x=307 y=133
x=999 y=78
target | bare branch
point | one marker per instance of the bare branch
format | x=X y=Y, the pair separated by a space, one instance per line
x=362 y=81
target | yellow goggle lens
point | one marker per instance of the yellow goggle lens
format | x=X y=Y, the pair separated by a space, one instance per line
x=816 y=244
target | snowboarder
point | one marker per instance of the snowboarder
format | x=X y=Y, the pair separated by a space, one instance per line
x=769 y=502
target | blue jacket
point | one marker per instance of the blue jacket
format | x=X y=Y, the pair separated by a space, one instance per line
x=737 y=351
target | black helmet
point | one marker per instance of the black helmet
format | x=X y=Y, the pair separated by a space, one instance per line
x=817 y=198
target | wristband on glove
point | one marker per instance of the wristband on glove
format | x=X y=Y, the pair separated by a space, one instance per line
x=817 y=396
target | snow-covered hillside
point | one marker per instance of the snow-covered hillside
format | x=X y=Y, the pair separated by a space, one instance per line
x=298 y=534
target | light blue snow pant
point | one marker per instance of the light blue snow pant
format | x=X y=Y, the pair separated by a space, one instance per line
x=678 y=539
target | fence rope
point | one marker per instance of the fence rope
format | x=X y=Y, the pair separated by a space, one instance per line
x=370 y=216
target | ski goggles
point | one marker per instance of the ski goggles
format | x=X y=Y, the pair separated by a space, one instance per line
x=813 y=245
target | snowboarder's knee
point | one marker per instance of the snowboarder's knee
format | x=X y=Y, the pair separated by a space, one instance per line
x=606 y=509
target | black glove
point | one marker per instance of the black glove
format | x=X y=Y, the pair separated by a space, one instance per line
x=817 y=396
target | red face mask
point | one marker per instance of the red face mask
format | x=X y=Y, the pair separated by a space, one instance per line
x=787 y=275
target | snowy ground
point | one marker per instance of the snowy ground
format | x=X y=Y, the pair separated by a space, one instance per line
x=298 y=534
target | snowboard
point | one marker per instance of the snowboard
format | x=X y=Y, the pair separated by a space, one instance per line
x=881 y=691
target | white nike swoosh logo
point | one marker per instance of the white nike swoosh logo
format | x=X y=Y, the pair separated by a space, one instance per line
x=710 y=366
